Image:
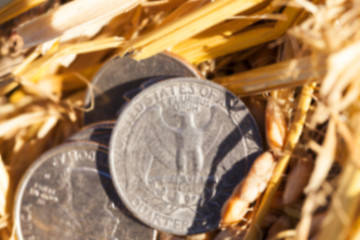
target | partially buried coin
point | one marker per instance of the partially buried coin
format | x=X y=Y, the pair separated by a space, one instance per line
x=120 y=75
x=99 y=132
x=177 y=151
x=68 y=194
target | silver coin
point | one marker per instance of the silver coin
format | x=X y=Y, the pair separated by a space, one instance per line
x=177 y=151
x=68 y=194
x=99 y=132
x=123 y=74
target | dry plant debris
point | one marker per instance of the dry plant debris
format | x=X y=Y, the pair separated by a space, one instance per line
x=300 y=56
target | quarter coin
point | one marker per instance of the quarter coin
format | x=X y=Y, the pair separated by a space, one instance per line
x=123 y=74
x=68 y=194
x=177 y=151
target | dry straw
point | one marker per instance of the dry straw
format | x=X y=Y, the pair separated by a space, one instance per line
x=314 y=78
x=14 y=8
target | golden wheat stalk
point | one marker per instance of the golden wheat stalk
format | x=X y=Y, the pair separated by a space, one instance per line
x=291 y=141
x=175 y=32
x=290 y=73
x=17 y=7
x=254 y=36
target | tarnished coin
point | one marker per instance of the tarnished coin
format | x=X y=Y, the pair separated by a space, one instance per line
x=99 y=132
x=177 y=151
x=122 y=74
x=68 y=194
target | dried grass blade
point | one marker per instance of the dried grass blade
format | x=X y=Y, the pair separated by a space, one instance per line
x=292 y=139
x=4 y=187
x=155 y=3
x=324 y=159
x=21 y=121
x=47 y=126
x=35 y=70
x=188 y=26
x=184 y=8
x=252 y=37
x=344 y=208
x=11 y=108
x=70 y=15
x=216 y=35
x=17 y=7
x=284 y=74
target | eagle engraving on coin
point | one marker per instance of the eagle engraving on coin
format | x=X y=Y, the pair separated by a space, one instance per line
x=188 y=138
x=177 y=151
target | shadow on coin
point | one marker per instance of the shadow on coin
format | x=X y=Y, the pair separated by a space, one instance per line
x=105 y=178
x=108 y=103
x=101 y=136
x=237 y=172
